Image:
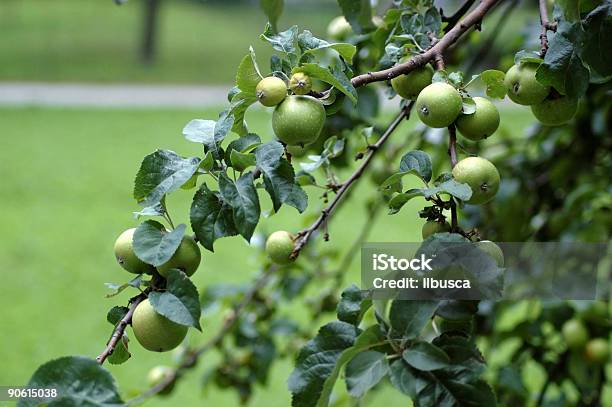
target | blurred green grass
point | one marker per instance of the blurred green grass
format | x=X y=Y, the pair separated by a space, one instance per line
x=76 y=40
x=66 y=194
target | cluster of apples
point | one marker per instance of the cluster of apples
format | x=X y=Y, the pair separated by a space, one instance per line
x=577 y=337
x=152 y=330
x=547 y=105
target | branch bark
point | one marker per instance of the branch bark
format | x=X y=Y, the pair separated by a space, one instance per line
x=546 y=25
x=452 y=20
x=120 y=329
x=472 y=19
x=452 y=152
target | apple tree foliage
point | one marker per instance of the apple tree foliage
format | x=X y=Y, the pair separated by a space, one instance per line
x=555 y=185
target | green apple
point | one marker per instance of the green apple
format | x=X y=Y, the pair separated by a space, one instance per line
x=575 y=333
x=271 y=91
x=555 y=111
x=158 y=375
x=522 y=86
x=411 y=84
x=431 y=227
x=279 y=247
x=339 y=29
x=438 y=105
x=492 y=250
x=298 y=120
x=124 y=253
x=482 y=177
x=300 y=83
x=480 y=124
x=186 y=258
x=598 y=351
x=154 y=331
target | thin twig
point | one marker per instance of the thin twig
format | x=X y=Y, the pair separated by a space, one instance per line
x=546 y=25
x=472 y=19
x=452 y=152
x=120 y=329
x=304 y=235
x=452 y=20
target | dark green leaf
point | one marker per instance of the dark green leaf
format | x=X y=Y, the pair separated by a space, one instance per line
x=456 y=79
x=79 y=381
x=418 y=162
x=309 y=44
x=238 y=107
x=154 y=245
x=525 y=57
x=353 y=304
x=120 y=353
x=425 y=356
x=451 y=187
x=494 y=81
x=273 y=10
x=284 y=41
x=279 y=177
x=598 y=36
x=408 y=318
x=398 y=201
x=242 y=197
x=161 y=173
x=358 y=13
x=333 y=76
x=180 y=301
x=562 y=67
x=115 y=314
x=211 y=217
x=240 y=161
x=401 y=377
x=364 y=371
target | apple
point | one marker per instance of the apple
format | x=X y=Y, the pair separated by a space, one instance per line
x=555 y=111
x=480 y=124
x=154 y=331
x=271 y=91
x=411 y=84
x=482 y=177
x=158 y=375
x=492 y=250
x=298 y=120
x=124 y=253
x=279 y=247
x=597 y=351
x=438 y=105
x=522 y=86
x=300 y=83
x=186 y=258
x=575 y=333
x=431 y=227
x=339 y=29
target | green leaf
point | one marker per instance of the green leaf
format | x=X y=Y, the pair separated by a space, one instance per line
x=527 y=57
x=120 y=353
x=208 y=162
x=451 y=187
x=242 y=197
x=562 y=67
x=211 y=217
x=154 y=245
x=180 y=301
x=161 y=173
x=310 y=44
x=358 y=13
x=118 y=288
x=238 y=107
x=284 y=41
x=334 y=77
x=279 y=177
x=364 y=371
x=494 y=81
x=456 y=79
x=240 y=161
x=78 y=380
x=408 y=318
x=353 y=304
x=319 y=362
x=417 y=162
x=248 y=75
x=273 y=10
x=398 y=201
x=425 y=356
x=402 y=378
x=597 y=26
x=469 y=106
x=115 y=314
x=154 y=210
x=243 y=144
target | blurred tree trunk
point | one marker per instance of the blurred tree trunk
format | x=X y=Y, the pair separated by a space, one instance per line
x=149 y=33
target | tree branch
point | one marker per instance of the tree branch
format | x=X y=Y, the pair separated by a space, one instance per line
x=452 y=20
x=546 y=25
x=472 y=19
x=120 y=329
x=304 y=235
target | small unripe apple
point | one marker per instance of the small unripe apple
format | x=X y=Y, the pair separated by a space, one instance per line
x=124 y=253
x=438 y=105
x=598 y=351
x=480 y=124
x=431 y=227
x=298 y=120
x=522 y=86
x=555 y=111
x=154 y=331
x=482 y=177
x=492 y=250
x=159 y=374
x=411 y=84
x=339 y=29
x=271 y=91
x=300 y=83
x=186 y=258
x=575 y=333
x=279 y=247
